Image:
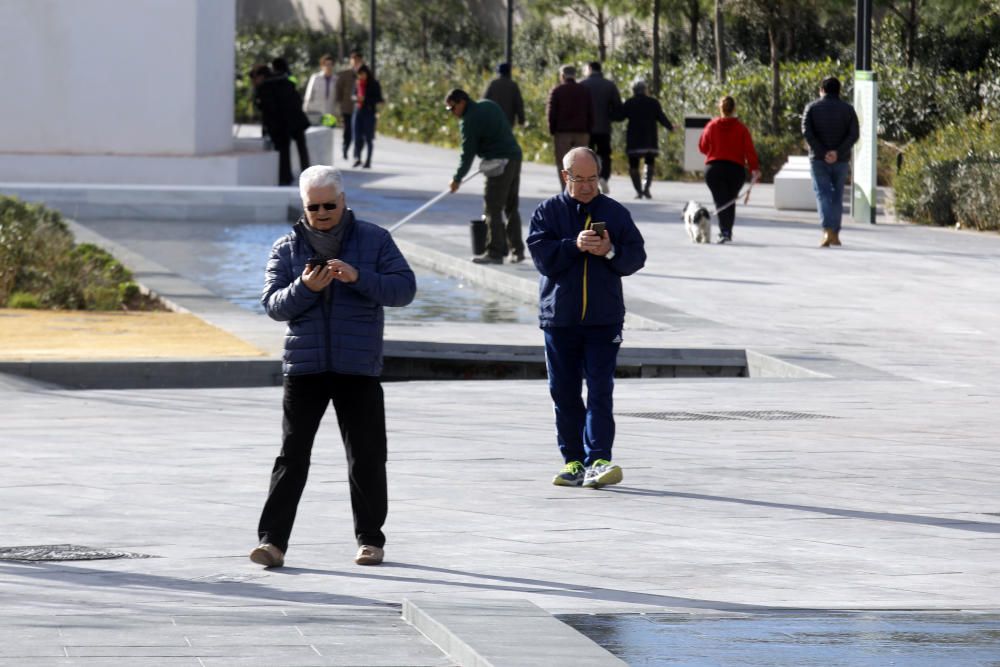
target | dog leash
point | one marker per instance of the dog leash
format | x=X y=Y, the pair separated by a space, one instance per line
x=744 y=195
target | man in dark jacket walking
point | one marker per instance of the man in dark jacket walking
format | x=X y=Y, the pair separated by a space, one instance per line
x=607 y=101
x=570 y=114
x=830 y=127
x=282 y=118
x=505 y=92
x=486 y=133
x=582 y=243
x=329 y=279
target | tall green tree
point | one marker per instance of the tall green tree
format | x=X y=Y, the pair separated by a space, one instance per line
x=597 y=13
x=772 y=15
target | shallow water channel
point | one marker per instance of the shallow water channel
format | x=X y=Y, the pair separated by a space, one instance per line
x=798 y=639
x=439 y=297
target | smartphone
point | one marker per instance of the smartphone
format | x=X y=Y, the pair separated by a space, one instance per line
x=315 y=263
x=598 y=227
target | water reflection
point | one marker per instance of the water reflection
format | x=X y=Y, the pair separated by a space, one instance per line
x=781 y=640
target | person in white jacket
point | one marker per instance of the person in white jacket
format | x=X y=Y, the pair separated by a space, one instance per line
x=319 y=100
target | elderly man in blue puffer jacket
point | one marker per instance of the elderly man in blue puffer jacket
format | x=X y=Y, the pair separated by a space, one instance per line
x=329 y=278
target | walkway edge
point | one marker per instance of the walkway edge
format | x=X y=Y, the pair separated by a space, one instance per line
x=489 y=633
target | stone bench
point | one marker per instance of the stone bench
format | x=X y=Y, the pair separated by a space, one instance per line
x=793 y=185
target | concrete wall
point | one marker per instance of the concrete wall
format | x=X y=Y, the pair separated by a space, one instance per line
x=119 y=77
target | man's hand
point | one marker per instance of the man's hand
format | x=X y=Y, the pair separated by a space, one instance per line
x=589 y=241
x=316 y=278
x=453 y=186
x=342 y=271
x=830 y=157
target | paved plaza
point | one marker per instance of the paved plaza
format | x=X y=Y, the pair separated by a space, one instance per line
x=861 y=478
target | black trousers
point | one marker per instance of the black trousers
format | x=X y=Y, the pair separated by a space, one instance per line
x=346 y=124
x=725 y=179
x=601 y=144
x=283 y=142
x=360 y=407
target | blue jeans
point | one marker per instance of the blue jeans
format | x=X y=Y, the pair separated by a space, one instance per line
x=828 y=184
x=583 y=433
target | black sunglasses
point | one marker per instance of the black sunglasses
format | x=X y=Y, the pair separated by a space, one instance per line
x=328 y=206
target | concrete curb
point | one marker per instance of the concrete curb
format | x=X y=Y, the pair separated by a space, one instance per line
x=517 y=633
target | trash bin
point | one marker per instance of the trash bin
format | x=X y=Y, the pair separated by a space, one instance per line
x=477 y=229
x=693 y=158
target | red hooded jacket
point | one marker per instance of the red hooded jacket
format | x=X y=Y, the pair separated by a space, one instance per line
x=728 y=139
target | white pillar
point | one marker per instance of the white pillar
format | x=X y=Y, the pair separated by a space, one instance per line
x=119 y=77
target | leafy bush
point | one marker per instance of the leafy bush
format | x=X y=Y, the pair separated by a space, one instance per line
x=40 y=267
x=952 y=177
x=23 y=300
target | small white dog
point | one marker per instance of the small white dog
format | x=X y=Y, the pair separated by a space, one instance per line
x=698 y=222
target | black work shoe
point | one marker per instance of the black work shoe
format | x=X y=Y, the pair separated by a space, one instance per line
x=487 y=259
x=516 y=257
x=725 y=239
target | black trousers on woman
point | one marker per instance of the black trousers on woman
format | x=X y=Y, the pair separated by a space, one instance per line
x=725 y=179
x=360 y=407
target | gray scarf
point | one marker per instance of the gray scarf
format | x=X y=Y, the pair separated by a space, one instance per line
x=326 y=244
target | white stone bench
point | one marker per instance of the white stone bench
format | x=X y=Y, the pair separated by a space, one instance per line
x=793 y=185
x=319 y=141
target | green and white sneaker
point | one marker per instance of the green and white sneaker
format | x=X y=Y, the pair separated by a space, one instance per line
x=602 y=473
x=572 y=474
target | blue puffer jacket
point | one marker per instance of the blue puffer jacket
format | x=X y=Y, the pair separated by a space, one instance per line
x=579 y=287
x=339 y=329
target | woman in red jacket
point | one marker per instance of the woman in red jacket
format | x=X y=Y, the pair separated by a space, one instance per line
x=728 y=147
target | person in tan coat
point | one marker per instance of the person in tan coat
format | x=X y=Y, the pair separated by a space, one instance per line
x=344 y=97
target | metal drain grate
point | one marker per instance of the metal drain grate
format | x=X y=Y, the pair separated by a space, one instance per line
x=728 y=415
x=56 y=552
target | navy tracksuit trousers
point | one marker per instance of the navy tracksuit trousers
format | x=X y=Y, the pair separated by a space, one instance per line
x=584 y=433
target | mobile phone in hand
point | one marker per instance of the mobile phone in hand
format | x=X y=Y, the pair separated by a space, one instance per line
x=598 y=227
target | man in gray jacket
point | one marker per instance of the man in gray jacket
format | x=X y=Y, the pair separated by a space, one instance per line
x=607 y=102
x=329 y=279
x=830 y=127
x=505 y=92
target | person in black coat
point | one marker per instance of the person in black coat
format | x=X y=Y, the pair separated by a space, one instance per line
x=367 y=97
x=641 y=139
x=282 y=118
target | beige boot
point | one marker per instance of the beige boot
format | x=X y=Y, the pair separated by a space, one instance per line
x=835 y=238
x=827 y=239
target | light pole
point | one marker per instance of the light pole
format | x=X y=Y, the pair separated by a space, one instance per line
x=371 y=40
x=510 y=34
x=864 y=184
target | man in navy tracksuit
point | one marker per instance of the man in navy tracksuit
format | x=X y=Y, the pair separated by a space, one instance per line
x=581 y=311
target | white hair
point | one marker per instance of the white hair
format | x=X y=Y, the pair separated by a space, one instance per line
x=320 y=176
x=574 y=153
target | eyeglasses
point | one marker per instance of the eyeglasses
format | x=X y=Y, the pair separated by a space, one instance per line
x=589 y=181
x=328 y=206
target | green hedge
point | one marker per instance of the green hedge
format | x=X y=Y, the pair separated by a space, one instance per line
x=42 y=267
x=952 y=177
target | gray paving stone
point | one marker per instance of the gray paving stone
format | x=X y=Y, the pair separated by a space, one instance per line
x=890 y=504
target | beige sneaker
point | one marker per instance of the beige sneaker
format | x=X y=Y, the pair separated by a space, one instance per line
x=369 y=555
x=268 y=555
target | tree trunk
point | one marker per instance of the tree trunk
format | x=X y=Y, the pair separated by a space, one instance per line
x=424 y=52
x=342 y=47
x=602 y=24
x=911 y=34
x=656 y=48
x=694 y=17
x=720 y=48
x=772 y=38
